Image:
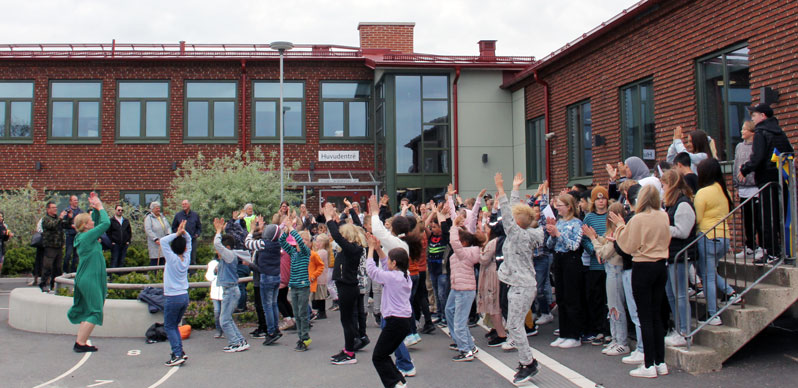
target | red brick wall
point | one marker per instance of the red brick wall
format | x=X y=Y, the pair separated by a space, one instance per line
x=664 y=44
x=111 y=167
x=387 y=36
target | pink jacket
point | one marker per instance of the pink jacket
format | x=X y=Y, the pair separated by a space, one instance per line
x=285 y=269
x=461 y=263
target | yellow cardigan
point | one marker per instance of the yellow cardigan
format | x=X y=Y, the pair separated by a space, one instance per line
x=710 y=207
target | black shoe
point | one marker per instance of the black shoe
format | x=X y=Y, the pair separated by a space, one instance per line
x=339 y=355
x=525 y=372
x=453 y=346
x=174 y=360
x=472 y=322
x=344 y=359
x=428 y=328
x=361 y=343
x=378 y=319
x=185 y=357
x=497 y=341
x=463 y=356
x=78 y=348
x=322 y=314
x=300 y=346
x=258 y=334
x=271 y=338
x=491 y=334
x=531 y=332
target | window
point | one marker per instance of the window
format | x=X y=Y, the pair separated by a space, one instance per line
x=535 y=150
x=637 y=121
x=61 y=198
x=422 y=124
x=211 y=111
x=580 y=138
x=344 y=109
x=267 y=99
x=75 y=111
x=724 y=92
x=16 y=111
x=140 y=199
x=142 y=109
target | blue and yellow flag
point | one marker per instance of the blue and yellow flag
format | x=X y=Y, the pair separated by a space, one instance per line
x=785 y=176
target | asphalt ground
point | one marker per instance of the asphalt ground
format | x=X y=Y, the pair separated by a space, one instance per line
x=31 y=359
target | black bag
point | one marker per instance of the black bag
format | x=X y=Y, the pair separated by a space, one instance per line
x=36 y=240
x=156 y=333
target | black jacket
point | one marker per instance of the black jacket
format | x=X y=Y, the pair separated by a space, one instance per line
x=347 y=262
x=767 y=136
x=119 y=233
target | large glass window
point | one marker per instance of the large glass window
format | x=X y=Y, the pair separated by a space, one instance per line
x=637 y=121
x=75 y=110
x=16 y=111
x=210 y=111
x=267 y=100
x=535 y=150
x=724 y=92
x=422 y=124
x=142 y=107
x=344 y=109
x=140 y=199
x=580 y=139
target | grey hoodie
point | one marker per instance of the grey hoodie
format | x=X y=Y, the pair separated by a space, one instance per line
x=518 y=268
x=228 y=264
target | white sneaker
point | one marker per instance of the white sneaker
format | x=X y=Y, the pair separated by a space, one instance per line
x=570 y=343
x=608 y=347
x=400 y=385
x=675 y=340
x=544 y=319
x=714 y=321
x=662 y=369
x=557 y=342
x=634 y=358
x=759 y=253
x=642 y=371
x=509 y=345
x=747 y=252
x=617 y=350
x=411 y=372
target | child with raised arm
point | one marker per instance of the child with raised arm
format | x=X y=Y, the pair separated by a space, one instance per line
x=176 y=249
x=299 y=281
x=396 y=309
x=228 y=280
x=518 y=271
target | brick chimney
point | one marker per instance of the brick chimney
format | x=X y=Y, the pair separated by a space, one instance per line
x=387 y=35
x=487 y=48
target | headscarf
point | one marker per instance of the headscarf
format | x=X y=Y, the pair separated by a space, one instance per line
x=637 y=167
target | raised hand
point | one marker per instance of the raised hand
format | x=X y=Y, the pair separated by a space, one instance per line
x=218 y=224
x=458 y=222
x=94 y=201
x=374 y=207
x=589 y=232
x=499 y=181
x=677 y=133
x=612 y=172
x=450 y=191
x=181 y=228
x=347 y=203
x=616 y=219
x=372 y=241
x=329 y=211
x=482 y=194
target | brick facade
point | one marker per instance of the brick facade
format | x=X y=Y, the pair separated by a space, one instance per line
x=392 y=36
x=663 y=43
x=111 y=167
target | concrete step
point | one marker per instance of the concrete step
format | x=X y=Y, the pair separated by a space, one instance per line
x=698 y=359
x=741 y=273
x=769 y=296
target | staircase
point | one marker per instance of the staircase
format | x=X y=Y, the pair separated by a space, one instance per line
x=763 y=303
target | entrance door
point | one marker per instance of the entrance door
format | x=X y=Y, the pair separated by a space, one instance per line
x=337 y=197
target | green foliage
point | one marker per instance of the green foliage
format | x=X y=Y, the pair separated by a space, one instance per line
x=19 y=260
x=219 y=186
x=205 y=253
x=64 y=291
x=200 y=293
x=22 y=208
x=199 y=315
x=128 y=278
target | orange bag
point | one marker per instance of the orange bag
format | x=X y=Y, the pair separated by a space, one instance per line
x=185 y=331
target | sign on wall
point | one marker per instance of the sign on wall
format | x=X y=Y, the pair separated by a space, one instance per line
x=339 y=156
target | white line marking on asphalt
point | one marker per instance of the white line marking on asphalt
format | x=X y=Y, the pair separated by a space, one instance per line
x=99 y=383
x=169 y=374
x=493 y=363
x=67 y=373
x=558 y=368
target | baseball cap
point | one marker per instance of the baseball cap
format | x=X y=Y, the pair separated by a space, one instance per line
x=761 y=108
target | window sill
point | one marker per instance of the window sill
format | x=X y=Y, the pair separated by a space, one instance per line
x=16 y=141
x=74 y=141
x=141 y=141
x=277 y=141
x=585 y=180
x=210 y=141
x=345 y=140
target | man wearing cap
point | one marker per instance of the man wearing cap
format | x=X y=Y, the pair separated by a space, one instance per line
x=768 y=136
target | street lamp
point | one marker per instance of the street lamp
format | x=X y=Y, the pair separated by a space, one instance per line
x=281 y=47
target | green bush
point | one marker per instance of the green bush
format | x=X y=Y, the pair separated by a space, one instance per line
x=19 y=260
x=198 y=293
x=205 y=253
x=199 y=315
x=128 y=278
x=64 y=291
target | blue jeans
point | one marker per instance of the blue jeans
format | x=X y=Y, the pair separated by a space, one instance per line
x=242 y=299
x=457 y=309
x=118 y=253
x=440 y=287
x=676 y=274
x=709 y=252
x=632 y=306
x=230 y=297
x=616 y=309
x=269 y=289
x=217 y=310
x=173 y=309
x=542 y=270
x=403 y=360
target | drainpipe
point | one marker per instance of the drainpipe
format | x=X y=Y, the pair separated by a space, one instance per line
x=546 y=122
x=243 y=106
x=455 y=121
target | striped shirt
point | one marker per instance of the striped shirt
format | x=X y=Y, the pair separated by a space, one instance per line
x=300 y=259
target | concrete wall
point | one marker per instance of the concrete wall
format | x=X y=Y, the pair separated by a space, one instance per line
x=486 y=125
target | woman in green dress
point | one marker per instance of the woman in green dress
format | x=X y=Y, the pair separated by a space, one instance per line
x=90 y=281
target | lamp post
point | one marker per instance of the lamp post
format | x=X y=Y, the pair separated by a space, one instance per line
x=281 y=47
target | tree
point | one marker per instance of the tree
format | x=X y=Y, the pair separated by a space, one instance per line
x=219 y=186
x=22 y=208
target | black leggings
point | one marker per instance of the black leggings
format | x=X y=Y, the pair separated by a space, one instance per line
x=421 y=299
x=283 y=305
x=392 y=335
x=648 y=288
x=569 y=278
x=347 y=301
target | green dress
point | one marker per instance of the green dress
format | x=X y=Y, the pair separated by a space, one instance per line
x=91 y=285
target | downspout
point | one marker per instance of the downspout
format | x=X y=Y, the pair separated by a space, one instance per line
x=243 y=107
x=546 y=122
x=455 y=120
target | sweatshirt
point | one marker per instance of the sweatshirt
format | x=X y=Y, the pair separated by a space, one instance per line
x=646 y=237
x=228 y=265
x=396 y=287
x=518 y=268
x=175 y=272
x=710 y=207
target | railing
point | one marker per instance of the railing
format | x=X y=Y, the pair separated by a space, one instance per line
x=68 y=279
x=765 y=219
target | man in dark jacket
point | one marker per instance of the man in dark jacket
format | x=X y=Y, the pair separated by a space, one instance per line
x=193 y=225
x=767 y=137
x=120 y=234
x=53 y=227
